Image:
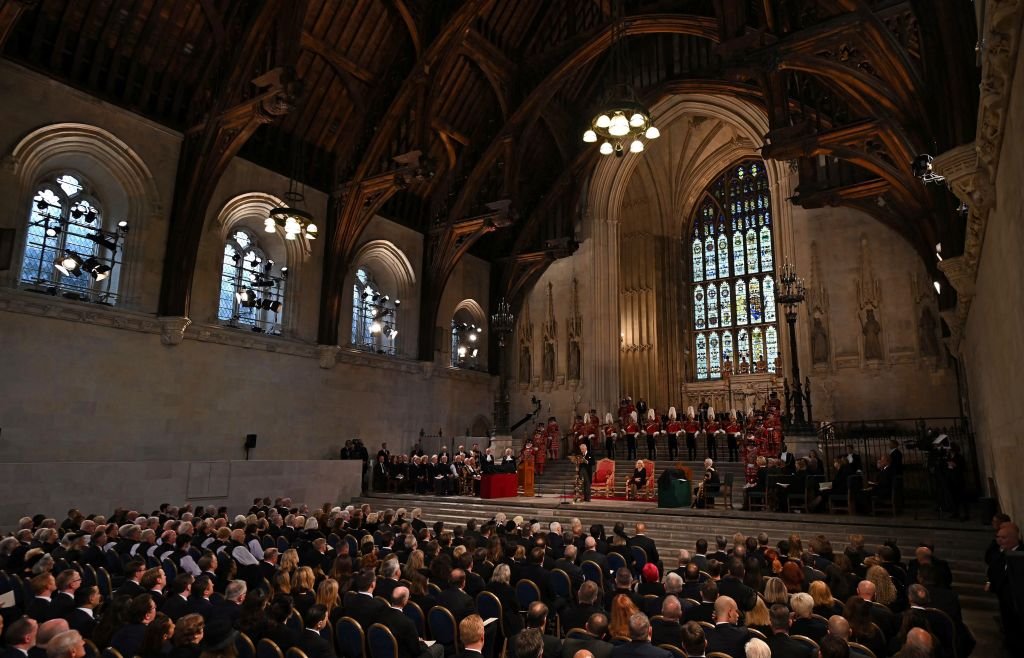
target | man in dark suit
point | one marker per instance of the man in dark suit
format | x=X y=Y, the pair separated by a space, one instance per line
x=390 y=570
x=199 y=602
x=567 y=563
x=63 y=600
x=787 y=460
x=705 y=611
x=668 y=629
x=310 y=641
x=177 y=603
x=694 y=642
x=586 y=470
x=534 y=570
x=924 y=555
x=640 y=641
x=21 y=637
x=596 y=628
x=268 y=565
x=40 y=607
x=781 y=644
x=132 y=574
x=700 y=557
x=804 y=621
x=471 y=636
x=623 y=585
x=726 y=637
x=455 y=598
x=359 y=602
x=587 y=605
x=691 y=582
x=536 y=620
x=82 y=617
x=527 y=644
x=591 y=554
x=646 y=543
x=230 y=607
x=731 y=585
x=402 y=627
x=896 y=457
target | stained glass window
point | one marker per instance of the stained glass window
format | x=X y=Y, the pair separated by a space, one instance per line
x=738 y=266
x=741 y=302
x=714 y=356
x=731 y=240
x=702 y=357
x=754 y=293
x=772 y=341
x=698 y=308
x=769 y=299
x=757 y=338
x=712 y=306
x=725 y=303
x=751 y=251
x=710 y=271
x=723 y=255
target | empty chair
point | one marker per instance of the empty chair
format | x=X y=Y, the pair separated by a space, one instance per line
x=526 y=593
x=443 y=628
x=268 y=649
x=349 y=638
x=381 y=642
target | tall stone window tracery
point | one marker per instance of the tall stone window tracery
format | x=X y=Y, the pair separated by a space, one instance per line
x=732 y=270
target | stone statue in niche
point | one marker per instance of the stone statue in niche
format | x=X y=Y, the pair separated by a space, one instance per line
x=926 y=333
x=872 y=331
x=819 y=342
x=574 y=360
x=549 y=361
x=524 y=364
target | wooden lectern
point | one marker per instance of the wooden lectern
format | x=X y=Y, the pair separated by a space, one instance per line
x=525 y=471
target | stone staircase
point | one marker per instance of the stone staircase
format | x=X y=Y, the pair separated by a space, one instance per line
x=961 y=543
x=559 y=475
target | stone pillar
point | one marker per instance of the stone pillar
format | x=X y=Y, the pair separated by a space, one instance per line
x=603 y=364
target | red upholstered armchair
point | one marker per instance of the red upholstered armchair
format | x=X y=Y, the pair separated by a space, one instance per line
x=604 y=478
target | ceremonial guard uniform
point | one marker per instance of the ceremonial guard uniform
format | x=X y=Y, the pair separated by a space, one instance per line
x=712 y=428
x=610 y=434
x=732 y=435
x=631 y=430
x=652 y=429
x=691 y=427
x=540 y=450
x=554 y=437
x=673 y=429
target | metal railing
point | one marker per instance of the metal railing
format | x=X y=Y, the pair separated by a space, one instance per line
x=924 y=480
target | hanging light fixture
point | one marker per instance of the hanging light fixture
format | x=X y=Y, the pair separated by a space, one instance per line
x=293 y=218
x=620 y=120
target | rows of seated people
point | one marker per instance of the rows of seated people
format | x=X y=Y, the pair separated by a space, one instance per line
x=333 y=582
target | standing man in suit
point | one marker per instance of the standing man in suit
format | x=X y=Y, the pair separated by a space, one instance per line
x=787 y=459
x=1008 y=540
x=639 y=641
x=643 y=541
x=310 y=640
x=586 y=470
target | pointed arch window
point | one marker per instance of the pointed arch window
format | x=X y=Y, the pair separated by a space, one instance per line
x=251 y=289
x=71 y=246
x=732 y=272
x=374 y=315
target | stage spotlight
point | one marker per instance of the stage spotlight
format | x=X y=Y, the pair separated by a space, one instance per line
x=70 y=265
x=274 y=307
x=102 y=241
x=98 y=270
x=52 y=231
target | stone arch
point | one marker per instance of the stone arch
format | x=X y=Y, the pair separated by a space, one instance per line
x=473 y=308
x=108 y=162
x=387 y=260
x=249 y=209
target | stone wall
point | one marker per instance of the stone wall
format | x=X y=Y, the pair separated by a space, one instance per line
x=88 y=382
x=994 y=332
x=99 y=487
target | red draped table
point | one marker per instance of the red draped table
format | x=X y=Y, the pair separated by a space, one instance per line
x=499 y=485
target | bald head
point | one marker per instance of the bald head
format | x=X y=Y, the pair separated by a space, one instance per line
x=725 y=606
x=866 y=590
x=671 y=608
x=583 y=653
x=839 y=627
x=919 y=638
x=49 y=630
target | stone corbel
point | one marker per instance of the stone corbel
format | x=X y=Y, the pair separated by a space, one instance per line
x=961 y=274
x=172 y=329
x=328 y=356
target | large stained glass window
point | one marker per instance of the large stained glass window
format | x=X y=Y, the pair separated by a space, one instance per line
x=732 y=268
